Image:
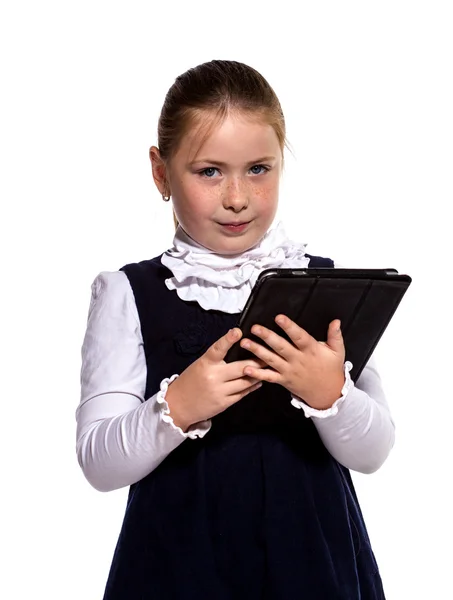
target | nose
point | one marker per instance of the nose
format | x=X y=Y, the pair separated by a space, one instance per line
x=235 y=196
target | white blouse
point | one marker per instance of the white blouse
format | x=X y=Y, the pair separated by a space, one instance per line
x=123 y=436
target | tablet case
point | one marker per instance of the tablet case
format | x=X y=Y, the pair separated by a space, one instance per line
x=364 y=299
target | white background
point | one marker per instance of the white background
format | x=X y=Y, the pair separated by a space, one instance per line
x=366 y=88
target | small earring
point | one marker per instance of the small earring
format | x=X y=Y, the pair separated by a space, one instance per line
x=165 y=198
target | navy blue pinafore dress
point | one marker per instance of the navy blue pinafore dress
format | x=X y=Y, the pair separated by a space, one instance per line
x=257 y=509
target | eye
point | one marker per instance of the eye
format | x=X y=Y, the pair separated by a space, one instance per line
x=209 y=172
x=259 y=169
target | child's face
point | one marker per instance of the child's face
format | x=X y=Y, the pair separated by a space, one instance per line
x=234 y=178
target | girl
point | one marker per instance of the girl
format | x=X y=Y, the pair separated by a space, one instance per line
x=238 y=472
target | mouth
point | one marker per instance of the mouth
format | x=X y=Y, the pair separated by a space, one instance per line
x=235 y=226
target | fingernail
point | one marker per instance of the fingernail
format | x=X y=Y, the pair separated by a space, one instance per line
x=339 y=327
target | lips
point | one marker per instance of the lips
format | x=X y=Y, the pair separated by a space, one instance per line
x=235 y=228
x=235 y=224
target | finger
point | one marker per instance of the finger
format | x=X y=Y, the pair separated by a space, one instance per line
x=282 y=347
x=235 y=370
x=247 y=391
x=335 y=336
x=268 y=375
x=297 y=335
x=256 y=362
x=219 y=348
x=237 y=386
x=271 y=358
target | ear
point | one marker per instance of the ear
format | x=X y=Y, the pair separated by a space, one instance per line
x=159 y=171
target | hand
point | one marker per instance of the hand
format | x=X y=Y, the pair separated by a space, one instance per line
x=310 y=370
x=210 y=385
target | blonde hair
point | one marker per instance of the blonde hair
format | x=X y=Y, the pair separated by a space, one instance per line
x=219 y=86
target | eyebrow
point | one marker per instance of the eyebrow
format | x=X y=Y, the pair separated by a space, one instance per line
x=218 y=163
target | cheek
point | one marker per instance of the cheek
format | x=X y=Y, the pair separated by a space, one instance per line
x=193 y=188
x=184 y=192
x=267 y=194
x=195 y=199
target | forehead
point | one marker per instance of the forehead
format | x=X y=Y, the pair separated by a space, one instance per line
x=237 y=137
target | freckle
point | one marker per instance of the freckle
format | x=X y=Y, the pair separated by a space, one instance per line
x=261 y=194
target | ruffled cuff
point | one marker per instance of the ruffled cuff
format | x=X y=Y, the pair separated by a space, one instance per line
x=333 y=410
x=196 y=430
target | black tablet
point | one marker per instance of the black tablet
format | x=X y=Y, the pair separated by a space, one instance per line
x=364 y=299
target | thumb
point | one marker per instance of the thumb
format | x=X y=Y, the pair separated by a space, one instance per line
x=219 y=349
x=335 y=337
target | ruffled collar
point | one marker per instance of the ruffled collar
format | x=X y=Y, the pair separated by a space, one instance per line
x=223 y=282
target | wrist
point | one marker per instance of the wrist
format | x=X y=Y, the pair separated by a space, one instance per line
x=174 y=405
x=328 y=397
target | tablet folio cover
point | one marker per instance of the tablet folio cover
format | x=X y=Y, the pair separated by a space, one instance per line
x=364 y=301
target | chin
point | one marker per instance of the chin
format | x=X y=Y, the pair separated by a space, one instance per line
x=238 y=248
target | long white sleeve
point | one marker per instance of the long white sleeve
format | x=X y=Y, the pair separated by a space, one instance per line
x=120 y=436
x=359 y=432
